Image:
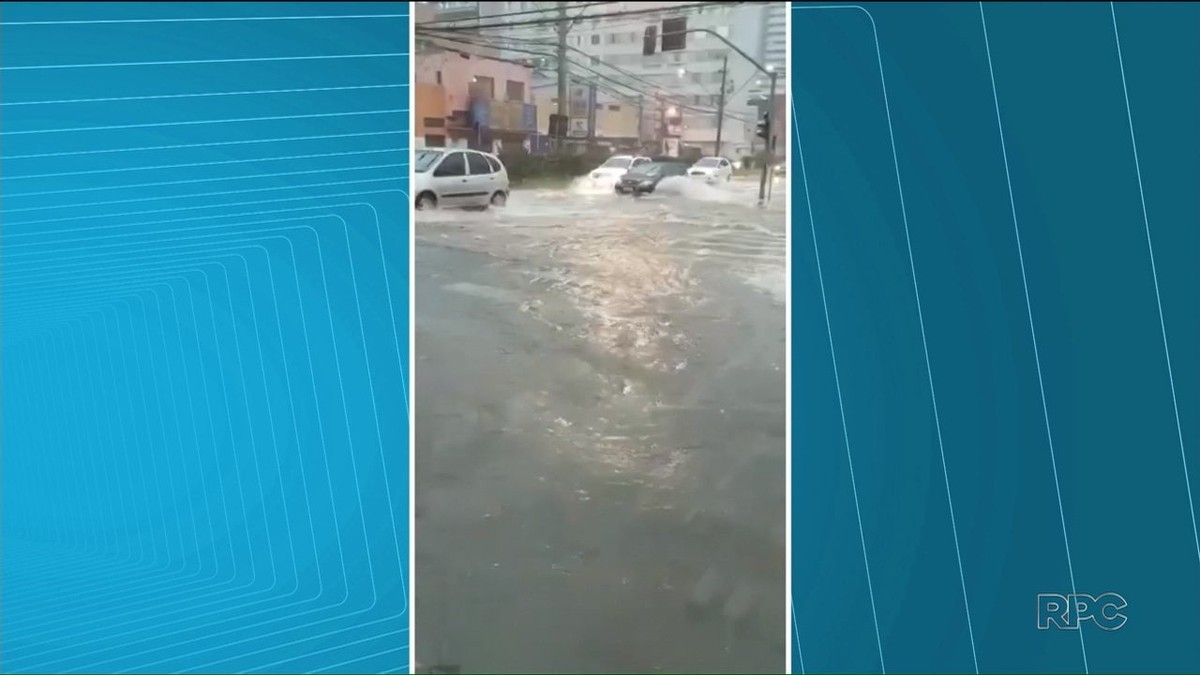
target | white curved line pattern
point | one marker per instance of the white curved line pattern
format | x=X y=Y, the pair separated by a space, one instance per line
x=208 y=454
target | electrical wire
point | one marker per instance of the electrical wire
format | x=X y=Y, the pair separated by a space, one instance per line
x=491 y=17
x=677 y=100
x=648 y=83
x=589 y=17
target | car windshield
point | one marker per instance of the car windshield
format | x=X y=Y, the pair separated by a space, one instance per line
x=648 y=170
x=708 y=163
x=617 y=163
x=426 y=159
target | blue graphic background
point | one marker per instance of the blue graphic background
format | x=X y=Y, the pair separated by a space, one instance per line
x=909 y=284
x=205 y=337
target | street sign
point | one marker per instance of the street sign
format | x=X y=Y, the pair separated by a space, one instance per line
x=578 y=128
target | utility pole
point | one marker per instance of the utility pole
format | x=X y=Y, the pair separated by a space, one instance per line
x=721 y=104
x=564 y=107
x=768 y=152
x=663 y=127
x=641 y=119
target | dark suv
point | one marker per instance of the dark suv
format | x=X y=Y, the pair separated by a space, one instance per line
x=645 y=178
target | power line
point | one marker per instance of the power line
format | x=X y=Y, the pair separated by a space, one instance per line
x=648 y=83
x=587 y=17
x=678 y=100
x=430 y=24
x=744 y=85
x=482 y=42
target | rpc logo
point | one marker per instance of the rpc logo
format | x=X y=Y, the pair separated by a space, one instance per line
x=1069 y=612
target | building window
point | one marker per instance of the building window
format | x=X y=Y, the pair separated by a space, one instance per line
x=615 y=108
x=439 y=77
x=484 y=86
x=514 y=91
x=435 y=141
x=612 y=38
x=435 y=122
x=595 y=38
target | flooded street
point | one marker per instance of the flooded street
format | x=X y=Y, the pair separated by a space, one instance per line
x=600 y=432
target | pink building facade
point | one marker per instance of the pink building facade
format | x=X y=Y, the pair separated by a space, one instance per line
x=487 y=101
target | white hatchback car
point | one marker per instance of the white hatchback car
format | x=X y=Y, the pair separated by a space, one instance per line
x=458 y=179
x=712 y=169
x=616 y=166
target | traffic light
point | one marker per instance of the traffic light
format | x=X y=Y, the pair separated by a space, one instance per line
x=674 y=34
x=650 y=41
x=763 y=126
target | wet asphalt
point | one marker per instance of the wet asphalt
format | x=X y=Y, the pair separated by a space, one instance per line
x=600 y=434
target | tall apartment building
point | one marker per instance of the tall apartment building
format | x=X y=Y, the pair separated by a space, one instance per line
x=774 y=44
x=607 y=53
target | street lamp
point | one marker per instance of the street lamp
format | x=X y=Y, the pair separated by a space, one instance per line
x=671 y=112
x=681 y=72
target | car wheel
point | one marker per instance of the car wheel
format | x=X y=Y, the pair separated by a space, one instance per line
x=426 y=200
x=499 y=199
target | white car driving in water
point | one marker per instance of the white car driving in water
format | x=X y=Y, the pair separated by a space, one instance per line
x=712 y=169
x=451 y=178
x=614 y=167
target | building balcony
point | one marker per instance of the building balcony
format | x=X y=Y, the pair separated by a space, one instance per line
x=503 y=117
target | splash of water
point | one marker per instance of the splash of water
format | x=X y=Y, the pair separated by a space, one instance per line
x=690 y=188
x=590 y=187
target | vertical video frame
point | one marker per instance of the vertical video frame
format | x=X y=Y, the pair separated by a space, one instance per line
x=600 y=277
